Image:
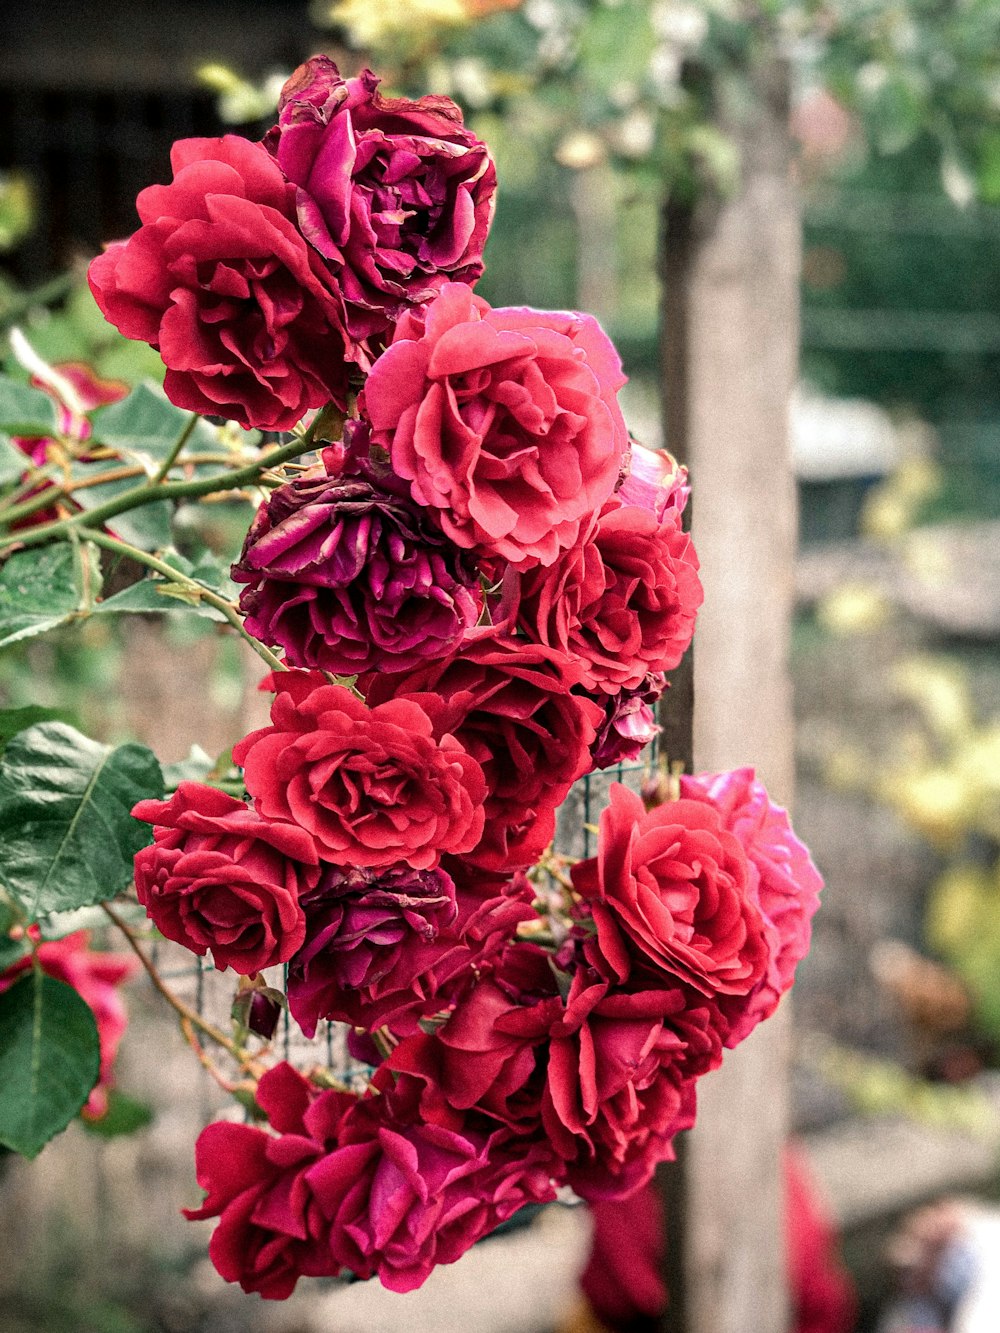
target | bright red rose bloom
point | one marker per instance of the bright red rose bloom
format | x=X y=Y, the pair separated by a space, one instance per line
x=96 y=977
x=671 y=895
x=372 y=786
x=622 y=603
x=396 y=195
x=505 y=422
x=509 y=703
x=219 y=877
x=785 y=884
x=219 y=281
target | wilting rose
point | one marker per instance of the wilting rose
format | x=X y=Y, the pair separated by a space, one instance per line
x=509 y=704
x=396 y=195
x=505 y=422
x=347 y=576
x=654 y=481
x=218 y=877
x=424 y=1193
x=785 y=884
x=622 y=602
x=219 y=280
x=372 y=786
x=272 y=1230
x=629 y=722
x=670 y=893
x=96 y=977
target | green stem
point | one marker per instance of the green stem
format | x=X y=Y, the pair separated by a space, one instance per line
x=227 y=608
x=10 y=508
x=178 y=445
x=167 y=490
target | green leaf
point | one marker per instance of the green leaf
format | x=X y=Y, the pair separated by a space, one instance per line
x=155 y=594
x=147 y=526
x=11 y=951
x=25 y=410
x=146 y=426
x=13 y=720
x=49 y=1060
x=40 y=589
x=13 y=462
x=195 y=768
x=67 y=837
x=125 y=1115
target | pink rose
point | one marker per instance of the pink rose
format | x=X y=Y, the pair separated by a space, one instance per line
x=655 y=481
x=505 y=422
x=671 y=896
x=509 y=704
x=622 y=602
x=219 y=877
x=372 y=786
x=396 y=195
x=96 y=977
x=785 y=884
x=219 y=281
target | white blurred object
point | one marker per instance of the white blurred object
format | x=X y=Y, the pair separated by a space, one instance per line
x=840 y=437
x=979 y=1309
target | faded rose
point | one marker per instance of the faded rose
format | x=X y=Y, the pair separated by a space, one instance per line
x=785 y=885
x=505 y=422
x=510 y=705
x=655 y=481
x=396 y=195
x=671 y=896
x=372 y=786
x=219 y=280
x=629 y=722
x=622 y=602
x=347 y=576
x=220 y=878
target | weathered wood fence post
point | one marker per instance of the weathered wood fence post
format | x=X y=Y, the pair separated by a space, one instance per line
x=730 y=339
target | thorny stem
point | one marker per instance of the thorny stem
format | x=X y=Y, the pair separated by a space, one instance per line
x=186 y=1014
x=176 y=448
x=227 y=608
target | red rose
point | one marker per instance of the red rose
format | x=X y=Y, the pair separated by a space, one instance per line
x=396 y=195
x=95 y=976
x=219 y=280
x=220 y=878
x=785 y=884
x=372 y=785
x=509 y=704
x=272 y=1230
x=505 y=422
x=622 y=602
x=670 y=894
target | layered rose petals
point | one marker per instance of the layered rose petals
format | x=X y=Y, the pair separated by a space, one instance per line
x=220 y=281
x=396 y=195
x=372 y=786
x=505 y=422
x=220 y=878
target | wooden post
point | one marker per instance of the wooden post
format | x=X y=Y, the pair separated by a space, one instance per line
x=730 y=301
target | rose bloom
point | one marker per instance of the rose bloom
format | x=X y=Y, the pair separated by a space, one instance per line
x=218 y=877
x=347 y=576
x=96 y=977
x=505 y=422
x=654 y=481
x=219 y=281
x=509 y=704
x=629 y=722
x=671 y=896
x=785 y=885
x=622 y=602
x=272 y=1230
x=372 y=786
x=396 y=195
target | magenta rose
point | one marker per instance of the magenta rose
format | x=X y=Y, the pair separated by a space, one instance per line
x=272 y=1230
x=218 y=877
x=372 y=786
x=505 y=422
x=219 y=281
x=622 y=602
x=785 y=885
x=629 y=722
x=396 y=195
x=426 y=1192
x=510 y=705
x=347 y=576
x=671 y=896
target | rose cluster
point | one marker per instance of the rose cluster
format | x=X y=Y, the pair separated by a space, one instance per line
x=478 y=592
